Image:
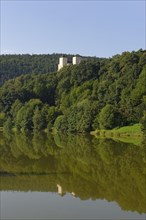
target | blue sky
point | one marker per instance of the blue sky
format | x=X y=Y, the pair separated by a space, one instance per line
x=94 y=28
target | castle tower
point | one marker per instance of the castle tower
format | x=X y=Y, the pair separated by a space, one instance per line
x=76 y=60
x=62 y=62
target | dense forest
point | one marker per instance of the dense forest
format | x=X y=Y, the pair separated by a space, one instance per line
x=12 y=66
x=15 y=65
x=96 y=94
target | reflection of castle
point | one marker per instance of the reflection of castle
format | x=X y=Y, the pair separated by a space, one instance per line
x=61 y=192
x=63 y=61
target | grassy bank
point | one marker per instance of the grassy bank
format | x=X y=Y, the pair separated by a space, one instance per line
x=131 y=133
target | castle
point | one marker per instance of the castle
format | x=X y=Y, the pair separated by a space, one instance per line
x=63 y=61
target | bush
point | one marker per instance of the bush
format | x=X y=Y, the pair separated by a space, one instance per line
x=109 y=117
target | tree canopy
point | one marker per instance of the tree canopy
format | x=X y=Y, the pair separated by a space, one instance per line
x=97 y=93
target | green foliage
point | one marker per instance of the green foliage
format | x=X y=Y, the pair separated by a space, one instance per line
x=38 y=120
x=80 y=117
x=15 y=65
x=25 y=88
x=108 y=117
x=143 y=123
x=51 y=116
x=24 y=117
x=95 y=124
x=97 y=93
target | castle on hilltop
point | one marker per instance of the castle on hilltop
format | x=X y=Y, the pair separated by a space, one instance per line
x=63 y=61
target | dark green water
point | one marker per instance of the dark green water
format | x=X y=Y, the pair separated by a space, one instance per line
x=71 y=177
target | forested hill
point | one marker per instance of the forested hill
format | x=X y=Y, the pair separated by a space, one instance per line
x=15 y=65
x=103 y=94
x=12 y=66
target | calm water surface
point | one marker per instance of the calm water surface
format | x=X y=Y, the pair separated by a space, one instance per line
x=71 y=177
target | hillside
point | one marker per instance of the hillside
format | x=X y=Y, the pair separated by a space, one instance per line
x=12 y=66
x=98 y=93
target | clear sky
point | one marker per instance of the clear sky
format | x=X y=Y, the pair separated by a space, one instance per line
x=94 y=28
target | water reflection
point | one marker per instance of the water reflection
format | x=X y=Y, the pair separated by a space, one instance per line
x=85 y=167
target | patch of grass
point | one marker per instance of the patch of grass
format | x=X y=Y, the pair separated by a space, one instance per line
x=129 y=134
x=133 y=129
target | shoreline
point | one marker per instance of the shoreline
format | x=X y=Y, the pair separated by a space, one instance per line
x=133 y=131
x=113 y=134
x=128 y=134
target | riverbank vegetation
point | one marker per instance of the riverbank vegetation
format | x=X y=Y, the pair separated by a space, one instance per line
x=97 y=94
x=126 y=131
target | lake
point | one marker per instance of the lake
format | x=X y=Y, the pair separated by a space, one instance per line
x=47 y=176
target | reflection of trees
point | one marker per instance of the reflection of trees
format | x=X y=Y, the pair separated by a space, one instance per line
x=89 y=167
